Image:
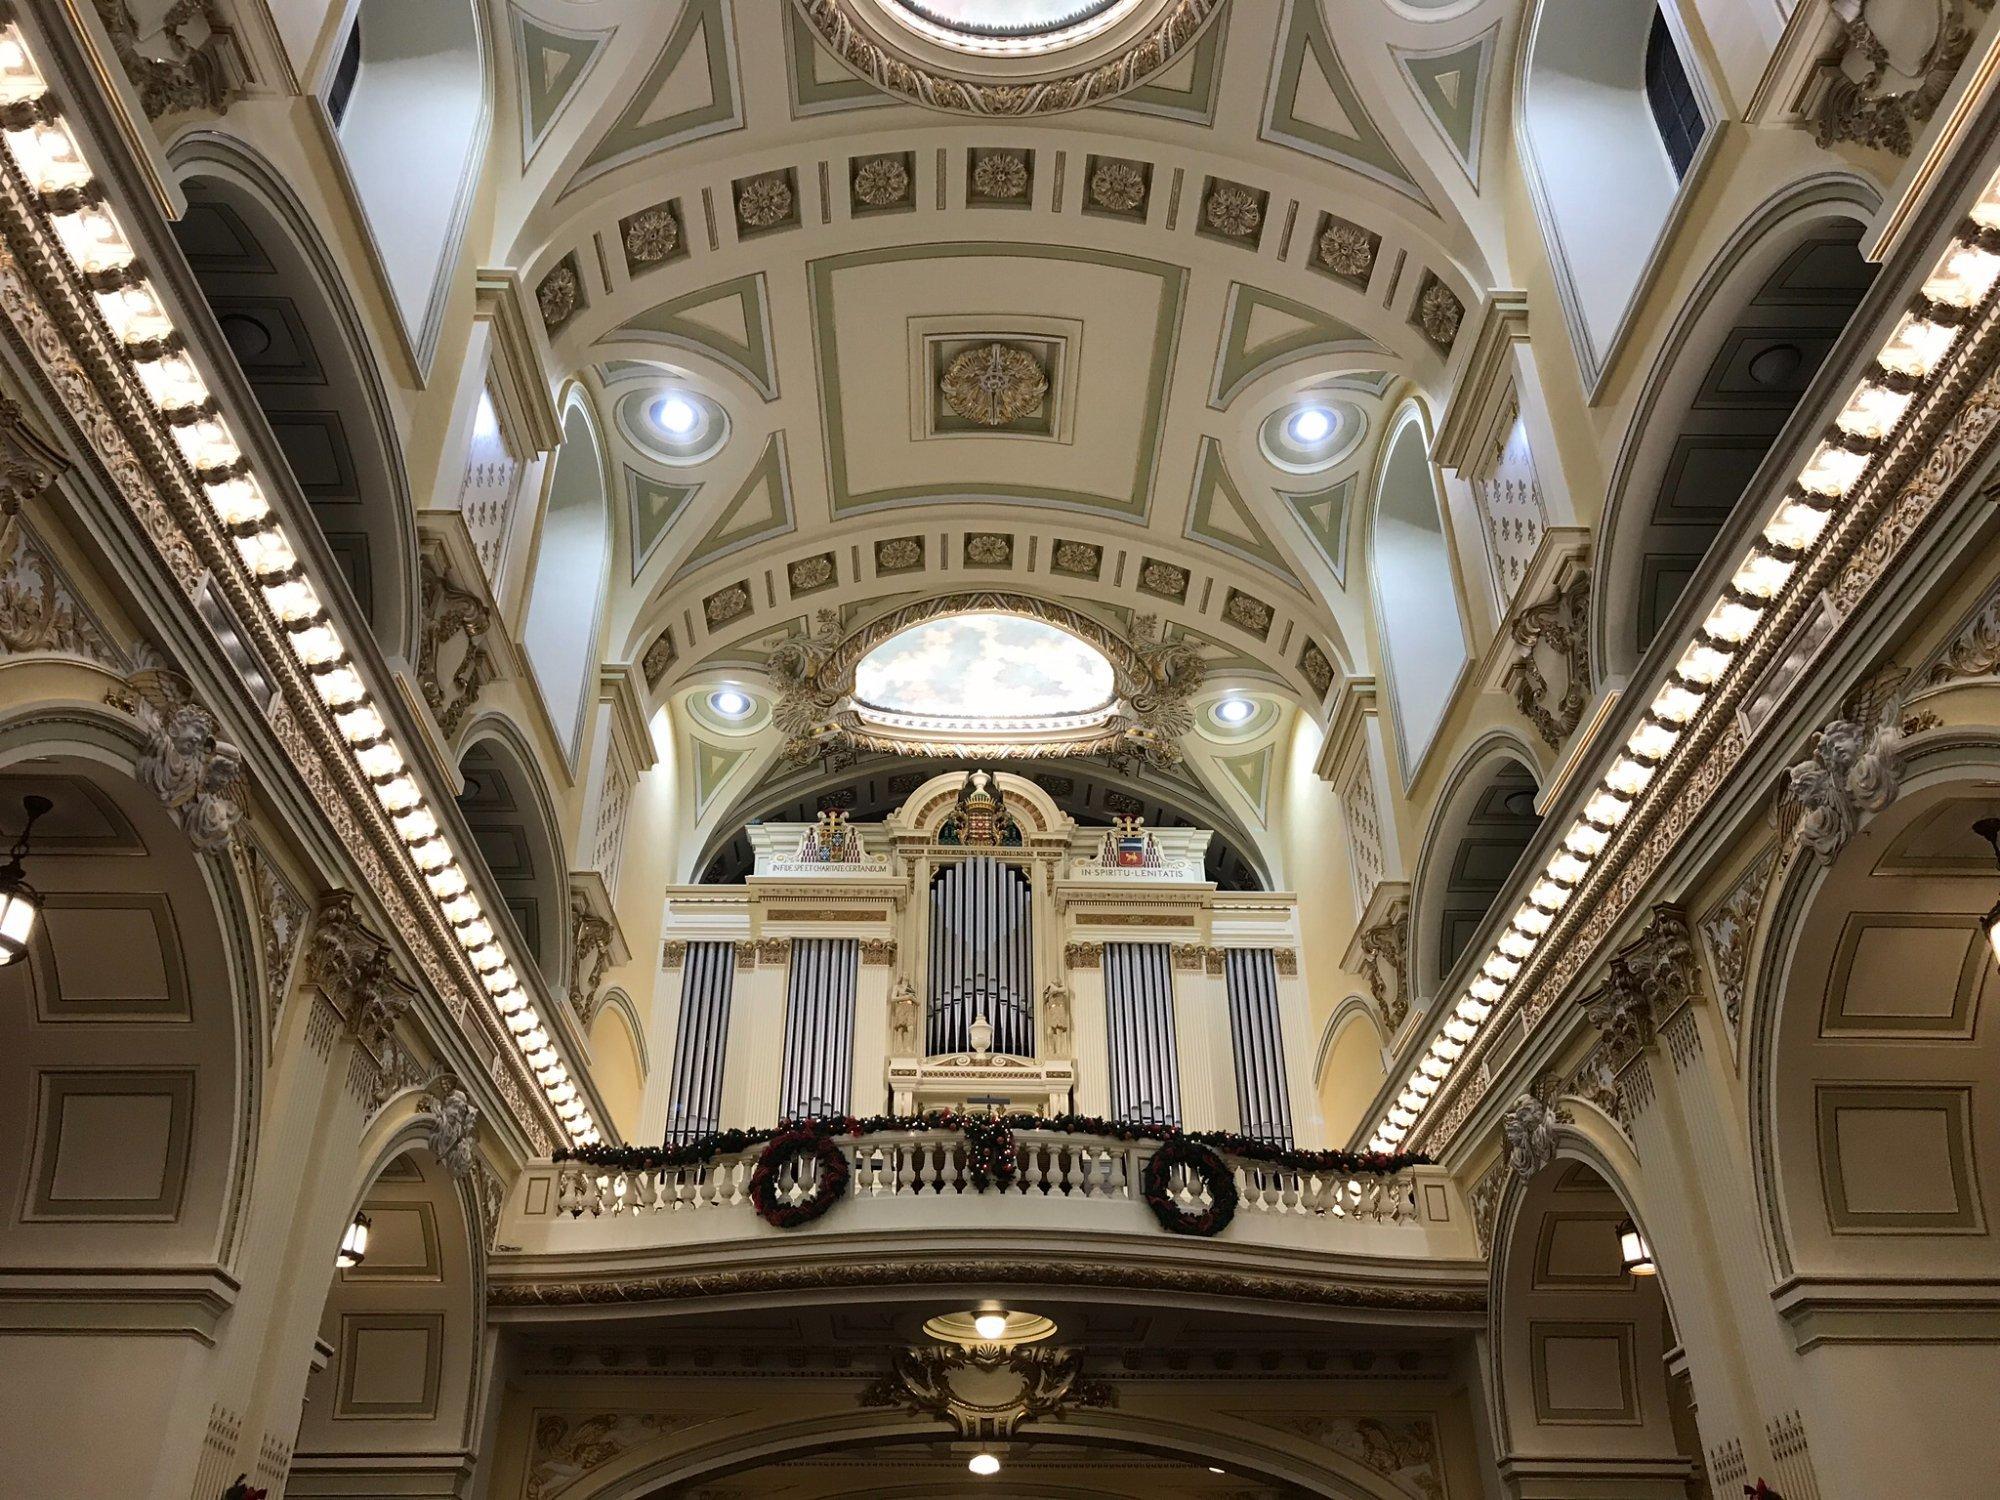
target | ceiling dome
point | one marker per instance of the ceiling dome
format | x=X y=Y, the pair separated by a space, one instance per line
x=989 y=669
x=1012 y=25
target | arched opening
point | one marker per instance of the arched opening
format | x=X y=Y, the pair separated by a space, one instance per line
x=1485 y=823
x=1611 y=116
x=1349 y=1070
x=127 y=1042
x=392 y=1402
x=618 y=1060
x=565 y=600
x=304 y=354
x=515 y=835
x=408 y=98
x=1423 y=642
x=1733 y=374
x=1582 y=1392
x=1873 y=1047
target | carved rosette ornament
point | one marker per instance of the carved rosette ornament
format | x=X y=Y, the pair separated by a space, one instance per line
x=764 y=202
x=1153 y=679
x=1439 y=314
x=1000 y=174
x=882 y=181
x=994 y=385
x=1346 y=250
x=1233 y=210
x=1082 y=74
x=1118 y=186
x=557 y=295
x=651 y=235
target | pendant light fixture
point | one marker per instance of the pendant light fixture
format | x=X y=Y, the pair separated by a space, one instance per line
x=1633 y=1251
x=20 y=903
x=353 y=1244
x=1989 y=829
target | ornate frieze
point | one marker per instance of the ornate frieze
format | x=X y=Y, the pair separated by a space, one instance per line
x=1729 y=930
x=878 y=953
x=589 y=954
x=186 y=763
x=1083 y=955
x=39 y=611
x=456 y=622
x=1385 y=948
x=1891 y=67
x=1559 y=626
x=569 y=1445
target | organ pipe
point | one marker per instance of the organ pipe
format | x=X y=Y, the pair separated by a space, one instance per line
x=981 y=957
x=1257 y=1039
x=1139 y=1014
x=708 y=977
x=818 y=1078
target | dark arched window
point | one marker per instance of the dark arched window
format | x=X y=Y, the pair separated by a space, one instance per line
x=1676 y=111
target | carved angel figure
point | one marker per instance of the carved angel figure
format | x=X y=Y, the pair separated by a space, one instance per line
x=805 y=706
x=187 y=765
x=1853 y=771
x=454 y=1130
x=1529 y=1127
x=1055 y=1017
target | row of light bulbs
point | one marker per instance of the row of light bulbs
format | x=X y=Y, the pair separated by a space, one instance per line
x=49 y=159
x=1965 y=274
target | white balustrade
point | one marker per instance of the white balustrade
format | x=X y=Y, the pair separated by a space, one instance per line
x=1048 y=1164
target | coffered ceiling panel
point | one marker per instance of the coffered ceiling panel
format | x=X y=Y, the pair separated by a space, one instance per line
x=1126 y=312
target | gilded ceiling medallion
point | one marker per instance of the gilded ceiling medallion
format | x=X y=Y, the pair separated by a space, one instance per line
x=1347 y=249
x=1439 y=313
x=882 y=181
x=1000 y=174
x=1233 y=210
x=651 y=235
x=1037 y=57
x=1119 y=186
x=764 y=202
x=994 y=385
x=558 y=294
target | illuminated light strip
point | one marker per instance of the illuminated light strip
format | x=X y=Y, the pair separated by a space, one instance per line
x=1964 y=276
x=53 y=165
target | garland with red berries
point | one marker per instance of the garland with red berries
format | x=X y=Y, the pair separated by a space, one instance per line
x=830 y=1179
x=1215 y=1176
x=989 y=1153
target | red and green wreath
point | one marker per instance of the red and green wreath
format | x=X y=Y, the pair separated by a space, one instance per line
x=773 y=1164
x=1215 y=1176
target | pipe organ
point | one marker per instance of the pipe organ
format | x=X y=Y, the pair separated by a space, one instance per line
x=980 y=950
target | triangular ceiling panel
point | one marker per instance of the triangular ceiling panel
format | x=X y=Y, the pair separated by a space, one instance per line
x=729 y=321
x=1313 y=106
x=820 y=81
x=1451 y=87
x=1261 y=330
x=652 y=505
x=553 y=62
x=1186 y=88
x=1250 y=774
x=1219 y=515
x=758 y=511
x=1323 y=514
x=712 y=766
x=690 y=91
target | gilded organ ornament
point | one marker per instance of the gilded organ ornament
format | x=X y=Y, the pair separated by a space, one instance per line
x=994 y=385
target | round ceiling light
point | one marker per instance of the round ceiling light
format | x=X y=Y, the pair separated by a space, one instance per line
x=990 y=1326
x=983 y=1463
x=731 y=703
x=1310 y=426
x=676 y=416
x=1234 y=710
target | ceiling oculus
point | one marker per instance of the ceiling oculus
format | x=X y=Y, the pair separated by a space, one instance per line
x=984 y=675
x=1008 y=57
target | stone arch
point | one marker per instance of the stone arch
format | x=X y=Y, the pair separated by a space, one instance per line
x=1580 y=1395
x=131 y=1046
x=1484 y=822
x=1722 y=388
x=398 y=1400
x=1347 y=1067
x=506 y=805
x=1422 y=643
x=280 y=304
x=619 y=1063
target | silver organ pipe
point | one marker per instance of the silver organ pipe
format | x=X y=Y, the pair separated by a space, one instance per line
x=708 y=977
x=1139 y=1013
x=818 y=1078
x=1257 y=1039
x=981 y=958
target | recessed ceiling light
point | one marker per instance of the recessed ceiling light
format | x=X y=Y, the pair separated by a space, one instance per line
x=983 y=1463
x=1310 y=426
x=730 y=703
x=990 y=1326
x=1213 y=1470
x=1234 y=710
x=676 y=416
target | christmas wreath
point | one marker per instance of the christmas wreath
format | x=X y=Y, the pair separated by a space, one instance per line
x=774 y=1162
x=1215 y=1176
